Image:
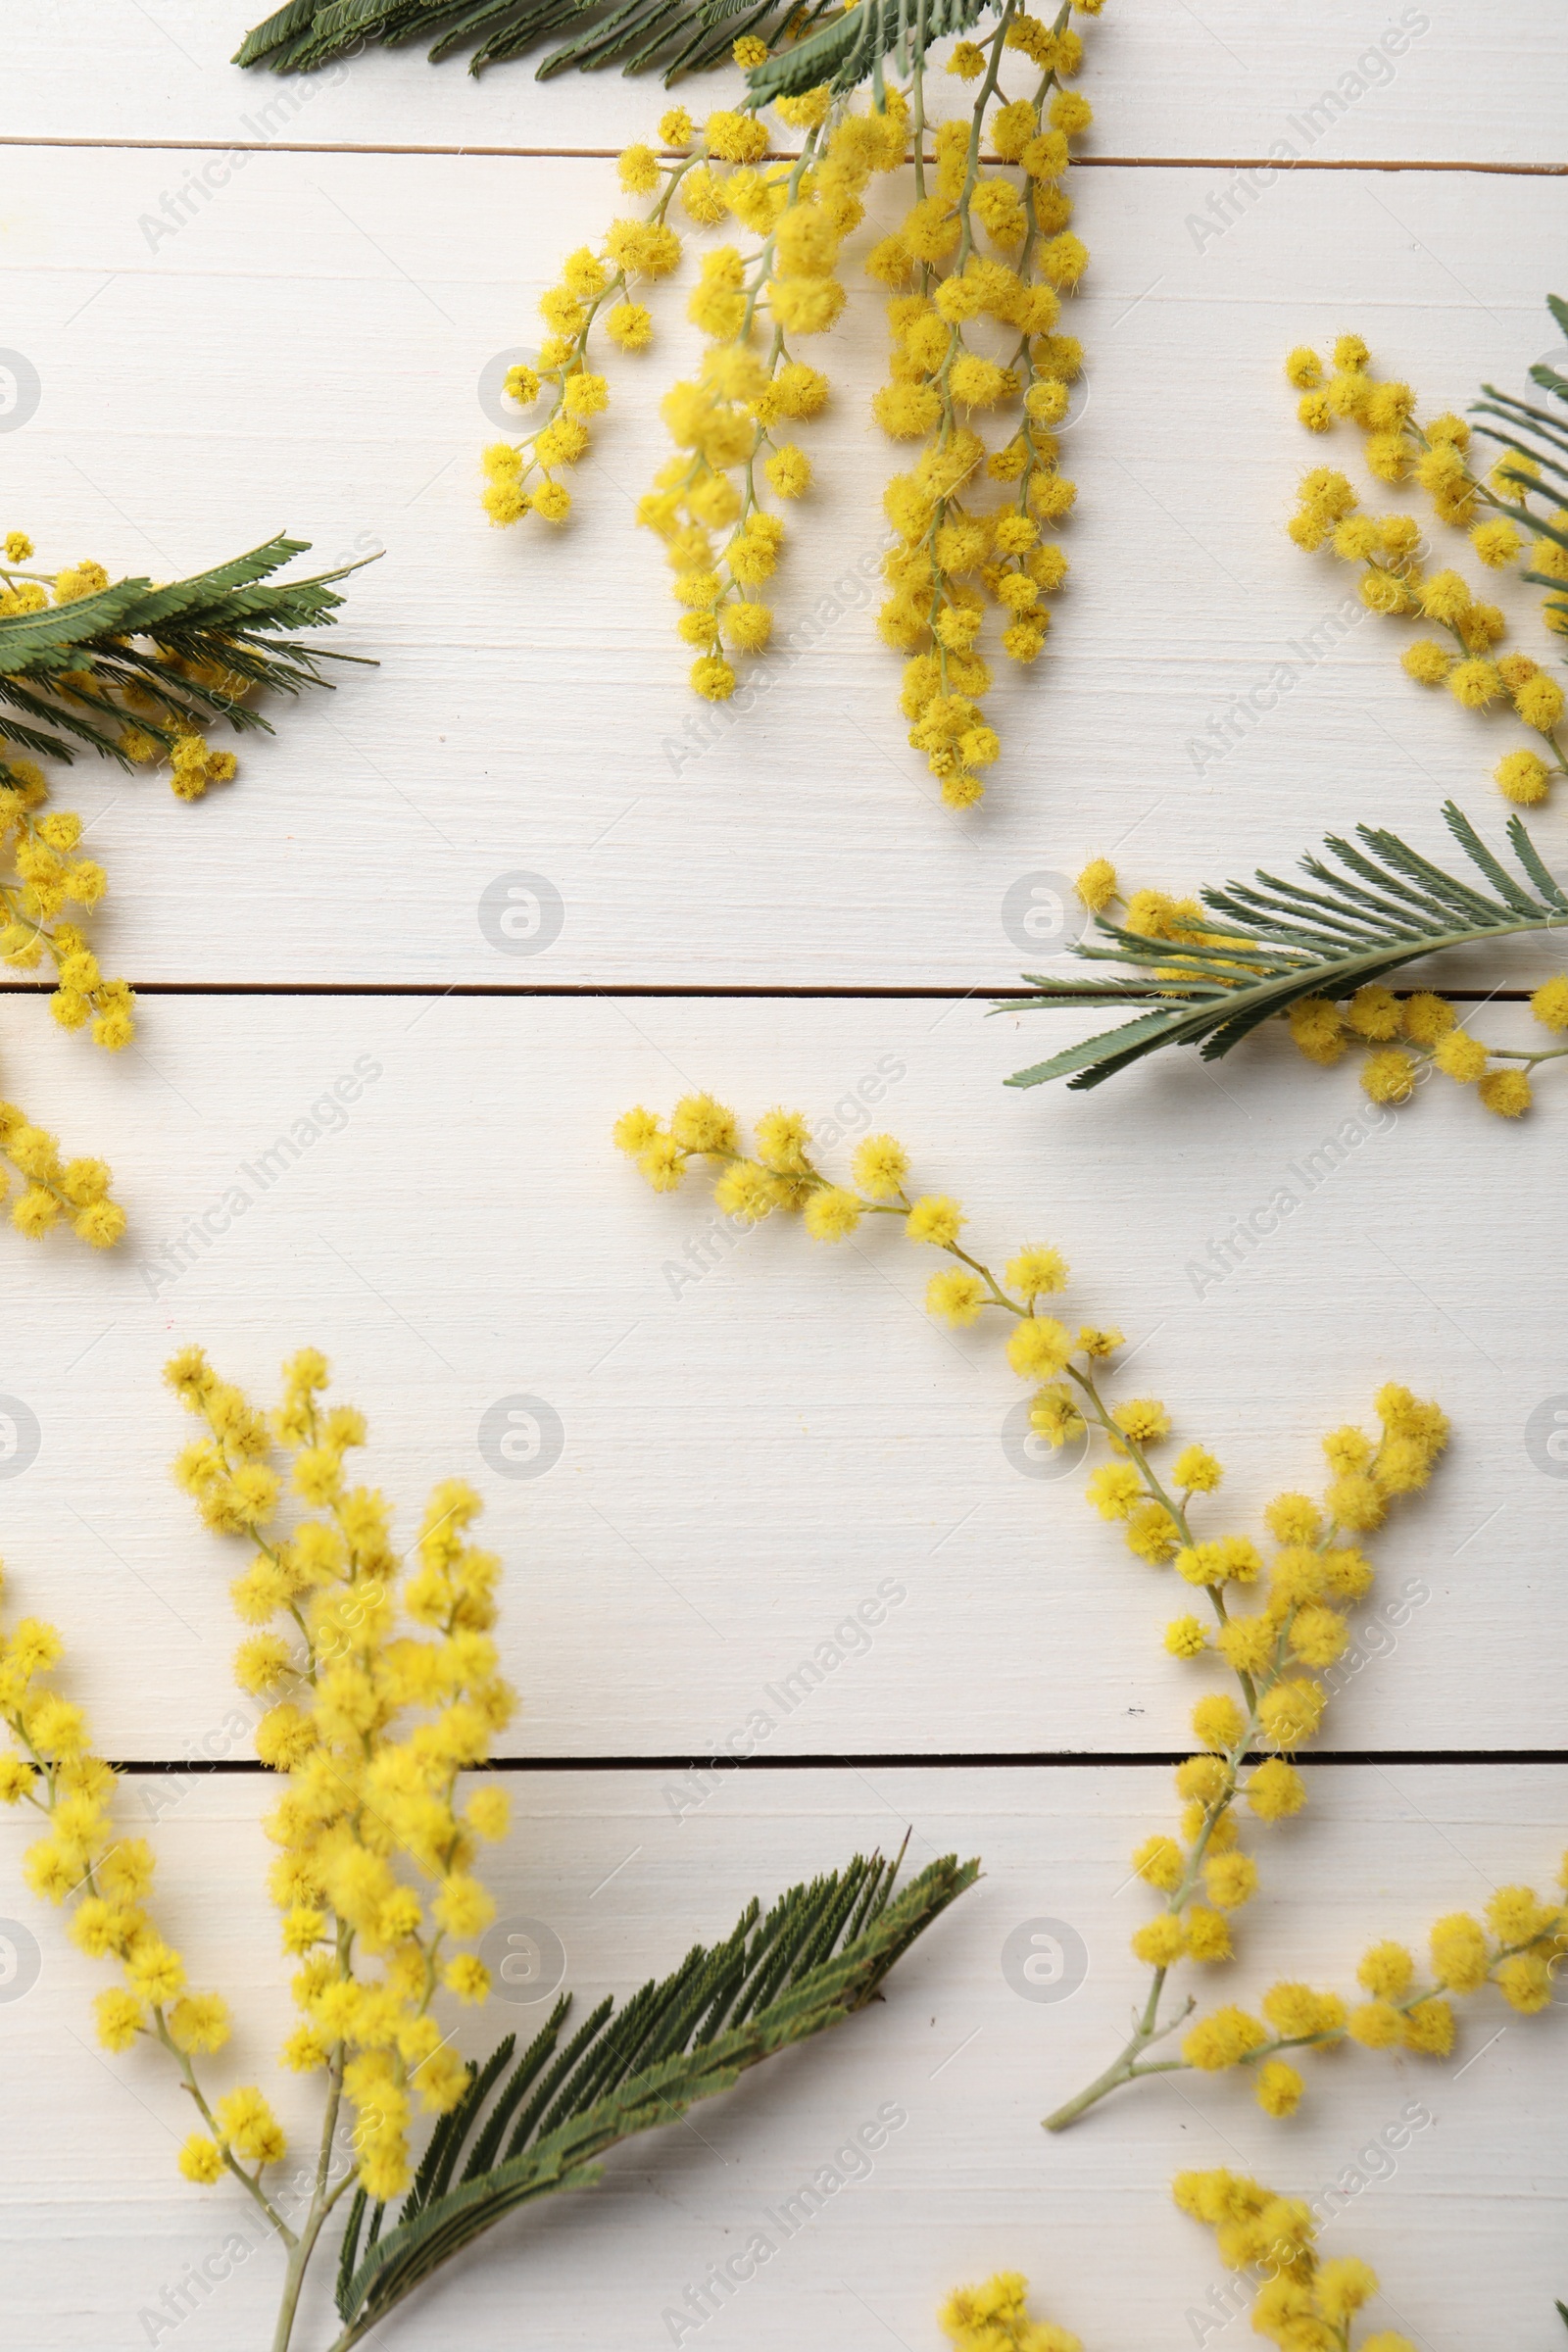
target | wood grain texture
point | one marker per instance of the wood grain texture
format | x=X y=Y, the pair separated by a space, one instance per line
x=759 y=1436
x=306 y=352
x=757 y=1432
x=1222 y=80
x=1462 y=2217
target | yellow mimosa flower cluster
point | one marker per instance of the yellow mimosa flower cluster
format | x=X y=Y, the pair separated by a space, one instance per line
x=1314 y=1575
x=980 y=258
x=41 y=876
x=973 y=332
x=1302 y=2303
x=53 y=1191
x=127 y=670
x=995 y=2318
x=1393 y=558
x=107 y=1878
x=726 y=423
x=384 y=1690
x=1302 y=2300
x=1515 y=1951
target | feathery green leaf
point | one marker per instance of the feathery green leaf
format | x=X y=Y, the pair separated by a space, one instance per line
x=680 y=36
x=1383 y=906
x=1540 y=437
x=636 y=34
x=197 y=644
x=820 y=1954
x=850 y=47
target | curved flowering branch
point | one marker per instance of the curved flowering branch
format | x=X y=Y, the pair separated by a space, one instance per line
x=1315 y=1575
x=107 y=1879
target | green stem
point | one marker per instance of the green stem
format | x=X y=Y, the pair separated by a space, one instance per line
x=249 y=2182
x=1527 y=1054
x=1125 y=2066
x=322 y=2200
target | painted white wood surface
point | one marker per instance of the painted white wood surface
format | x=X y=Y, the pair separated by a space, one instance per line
x=755 y=1436
x=1465 y=2223
x=755 y=1432
x=306 y=352
x=1224 y=79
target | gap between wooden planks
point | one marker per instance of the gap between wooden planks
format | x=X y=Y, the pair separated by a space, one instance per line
x=805 y=991
x=1062 y=1759
x=1080 y=163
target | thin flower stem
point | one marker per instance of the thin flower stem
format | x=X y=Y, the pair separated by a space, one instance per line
x=1529 y=1056
x=322 y=2200
x=250 y=2182
x=1125 y=2066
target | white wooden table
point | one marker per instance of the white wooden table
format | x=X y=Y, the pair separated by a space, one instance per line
x=747 y=1455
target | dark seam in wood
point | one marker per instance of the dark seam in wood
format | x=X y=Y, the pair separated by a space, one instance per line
x=1130 y=162
x=1005 y=993
x=992 y=1760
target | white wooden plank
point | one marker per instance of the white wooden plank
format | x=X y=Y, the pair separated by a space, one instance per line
x=1463 y=2221
x=750 y=1449
x=1231 y=79
x=307 y=350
